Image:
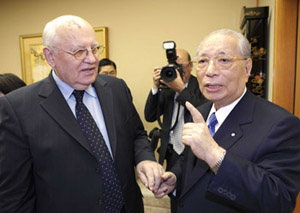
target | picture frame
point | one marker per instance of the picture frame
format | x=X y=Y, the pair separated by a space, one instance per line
x=33 y=62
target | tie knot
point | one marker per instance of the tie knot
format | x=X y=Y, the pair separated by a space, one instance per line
x=78 y=94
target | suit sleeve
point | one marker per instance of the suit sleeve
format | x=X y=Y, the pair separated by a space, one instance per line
x=142 y=147
x=16 y=181
x=153 y=105
x=269 y=182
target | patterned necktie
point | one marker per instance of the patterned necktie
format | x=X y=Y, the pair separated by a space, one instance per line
x=112 y=192
x=175 y=136
x=212 y=124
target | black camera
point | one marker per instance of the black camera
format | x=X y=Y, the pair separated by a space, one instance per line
x=168 y=73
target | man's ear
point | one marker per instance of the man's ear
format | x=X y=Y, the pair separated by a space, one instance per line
x=49 y=56
x=248 y=66
x=192 y=65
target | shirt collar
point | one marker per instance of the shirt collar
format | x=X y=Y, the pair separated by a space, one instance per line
x=223 y=112
x=67 y=90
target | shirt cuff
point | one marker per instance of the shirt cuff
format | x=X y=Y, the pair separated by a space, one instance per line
x=154 y=91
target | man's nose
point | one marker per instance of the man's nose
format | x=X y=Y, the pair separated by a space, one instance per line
x=211 y=67
x=90 y=57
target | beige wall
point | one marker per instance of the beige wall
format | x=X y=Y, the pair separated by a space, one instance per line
x=136 y=30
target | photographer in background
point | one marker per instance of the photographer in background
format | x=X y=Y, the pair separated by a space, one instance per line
x=166 y=101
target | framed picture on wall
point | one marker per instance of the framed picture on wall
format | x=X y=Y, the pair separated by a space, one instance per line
x=34 y=64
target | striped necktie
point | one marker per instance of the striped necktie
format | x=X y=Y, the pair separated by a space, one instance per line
x=212 y=124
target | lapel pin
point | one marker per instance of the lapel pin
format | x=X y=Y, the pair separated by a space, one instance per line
x=232 y=134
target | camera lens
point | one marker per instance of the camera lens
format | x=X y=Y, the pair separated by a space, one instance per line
x=168 y=73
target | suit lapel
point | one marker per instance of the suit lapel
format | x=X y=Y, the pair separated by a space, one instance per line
x=106 y=102
x=197 y=167
x=227 y=135
x=56 y=106
x=230 y=131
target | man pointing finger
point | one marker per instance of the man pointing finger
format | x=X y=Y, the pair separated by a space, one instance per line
x=243 y=155
x=197 y=136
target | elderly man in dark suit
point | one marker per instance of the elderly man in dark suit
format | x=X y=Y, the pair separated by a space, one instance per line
x=243 y=152
x=53 y=158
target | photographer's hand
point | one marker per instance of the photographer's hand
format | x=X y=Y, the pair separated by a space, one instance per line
x=156 y=77
x=177 y=85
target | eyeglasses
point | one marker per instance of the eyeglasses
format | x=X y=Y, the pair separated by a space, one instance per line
x=82 y=53
x=221 y=62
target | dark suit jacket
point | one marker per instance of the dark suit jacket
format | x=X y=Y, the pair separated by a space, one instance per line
x=162 y=103
x=260 y=171
x=46 y=163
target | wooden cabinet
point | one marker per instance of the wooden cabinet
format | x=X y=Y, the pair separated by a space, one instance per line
x=254 y=25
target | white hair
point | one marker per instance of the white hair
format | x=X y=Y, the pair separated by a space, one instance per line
x=244 y=48
x=50 y=31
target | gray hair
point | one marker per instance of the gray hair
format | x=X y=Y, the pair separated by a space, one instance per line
x=244 y=48
x=50 y=31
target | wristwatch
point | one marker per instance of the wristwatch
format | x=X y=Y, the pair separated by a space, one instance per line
x=216 y=167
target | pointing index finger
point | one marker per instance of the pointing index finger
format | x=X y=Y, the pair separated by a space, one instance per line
x=196 y=115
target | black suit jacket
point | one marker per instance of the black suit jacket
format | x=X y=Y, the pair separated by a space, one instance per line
x=162 y=103
x=260 y=171
x=46 y=163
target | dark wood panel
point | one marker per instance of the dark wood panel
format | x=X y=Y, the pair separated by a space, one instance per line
x=286 y=84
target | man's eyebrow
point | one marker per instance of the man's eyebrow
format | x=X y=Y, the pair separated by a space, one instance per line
x=202 y=54
x=82 y=47
x=221 y=52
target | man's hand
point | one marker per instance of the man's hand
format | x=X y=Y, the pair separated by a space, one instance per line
x=150 y=174
x=156 y=77
x=197 y=136
x=167 y=186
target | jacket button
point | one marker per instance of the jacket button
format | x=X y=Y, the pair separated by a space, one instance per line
x=100 y=202
x=180 y=204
